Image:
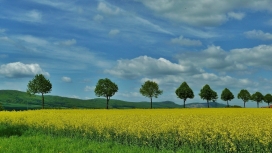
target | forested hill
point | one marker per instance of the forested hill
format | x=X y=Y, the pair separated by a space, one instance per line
x=18 y=100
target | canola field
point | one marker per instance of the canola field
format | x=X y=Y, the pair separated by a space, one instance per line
x=211 y=130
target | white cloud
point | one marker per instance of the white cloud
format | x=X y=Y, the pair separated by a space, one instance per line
x=108 y=9
x=2 y=30
x=214 y=57
x=114 y=32
x=258 y=34
x=98 y=17
x=144 y=65
x=186 y=42
x=259 y=56
x=235 y=60
x=89 y=88
x=62 y=5
x=34 y=16
x=237 y=16
x=152 y=25
x=203 y=13
x=195 y=67
x=66 y=79
x=67 y=42
x=20 y=70
x=32 y=40
x=5 y=38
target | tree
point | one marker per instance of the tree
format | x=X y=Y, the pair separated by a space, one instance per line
x=206 y=93
x=39 y=84
x=227 y=95
x=1 y=107
x=150 y=89
x=184 y=92
x=268 y=99
x=244 y=95
x=258 y=97
x=105 y=88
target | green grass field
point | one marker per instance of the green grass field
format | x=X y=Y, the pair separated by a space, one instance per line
x=14 y=140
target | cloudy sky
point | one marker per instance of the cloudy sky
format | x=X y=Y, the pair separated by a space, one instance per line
x=226 y=44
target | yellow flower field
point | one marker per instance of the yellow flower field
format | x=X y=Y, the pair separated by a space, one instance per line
x=228 y=129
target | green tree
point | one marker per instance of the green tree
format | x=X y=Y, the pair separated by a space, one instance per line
x=244 y=95
x=105 y=88
x=227 y=95
x=206 y=93
x=40 y=85
x=258 y=97
x=1 y=107
x=184 y=92
x=268 y=98
x=150 y=89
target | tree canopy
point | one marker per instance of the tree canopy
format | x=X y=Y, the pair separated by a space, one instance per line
x=1 y=107
x=184 y=92
x=227 y=95
x=268 y=98
x=105 y=88
x=39 y=84
x=150 y=89
x=258 y=97
x=206 y=93
x=244 y=95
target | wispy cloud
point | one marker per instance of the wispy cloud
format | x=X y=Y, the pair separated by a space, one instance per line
x=98 y=17
x=66 y=79
x=33 y=16
x=196 y=13
x=67 y=42
x=186 y=42
x=89 y=88
x=237 y=16
x=108 y=9
x=2 y=30
x=114 y=32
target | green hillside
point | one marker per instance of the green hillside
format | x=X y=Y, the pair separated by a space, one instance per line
x=17 y=100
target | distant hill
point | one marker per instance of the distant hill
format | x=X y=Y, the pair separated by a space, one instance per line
x=205 y=105
x=18 y=100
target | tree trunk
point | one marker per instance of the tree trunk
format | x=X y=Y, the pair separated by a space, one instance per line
x=228 y=103
x=184 y=103
x=107 y=102
x=244 y=104
x=258 y=104
x=42 y=101
x=151 y=103
x=208 y=104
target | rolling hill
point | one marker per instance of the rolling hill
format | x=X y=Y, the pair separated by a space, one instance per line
x=18 y=100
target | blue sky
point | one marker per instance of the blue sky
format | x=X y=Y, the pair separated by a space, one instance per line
x=226 y=44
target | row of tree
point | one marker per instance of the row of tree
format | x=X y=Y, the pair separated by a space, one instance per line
x=150 y=89
x=106 y=88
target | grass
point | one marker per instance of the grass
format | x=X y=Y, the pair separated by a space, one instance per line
x=34 y=142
